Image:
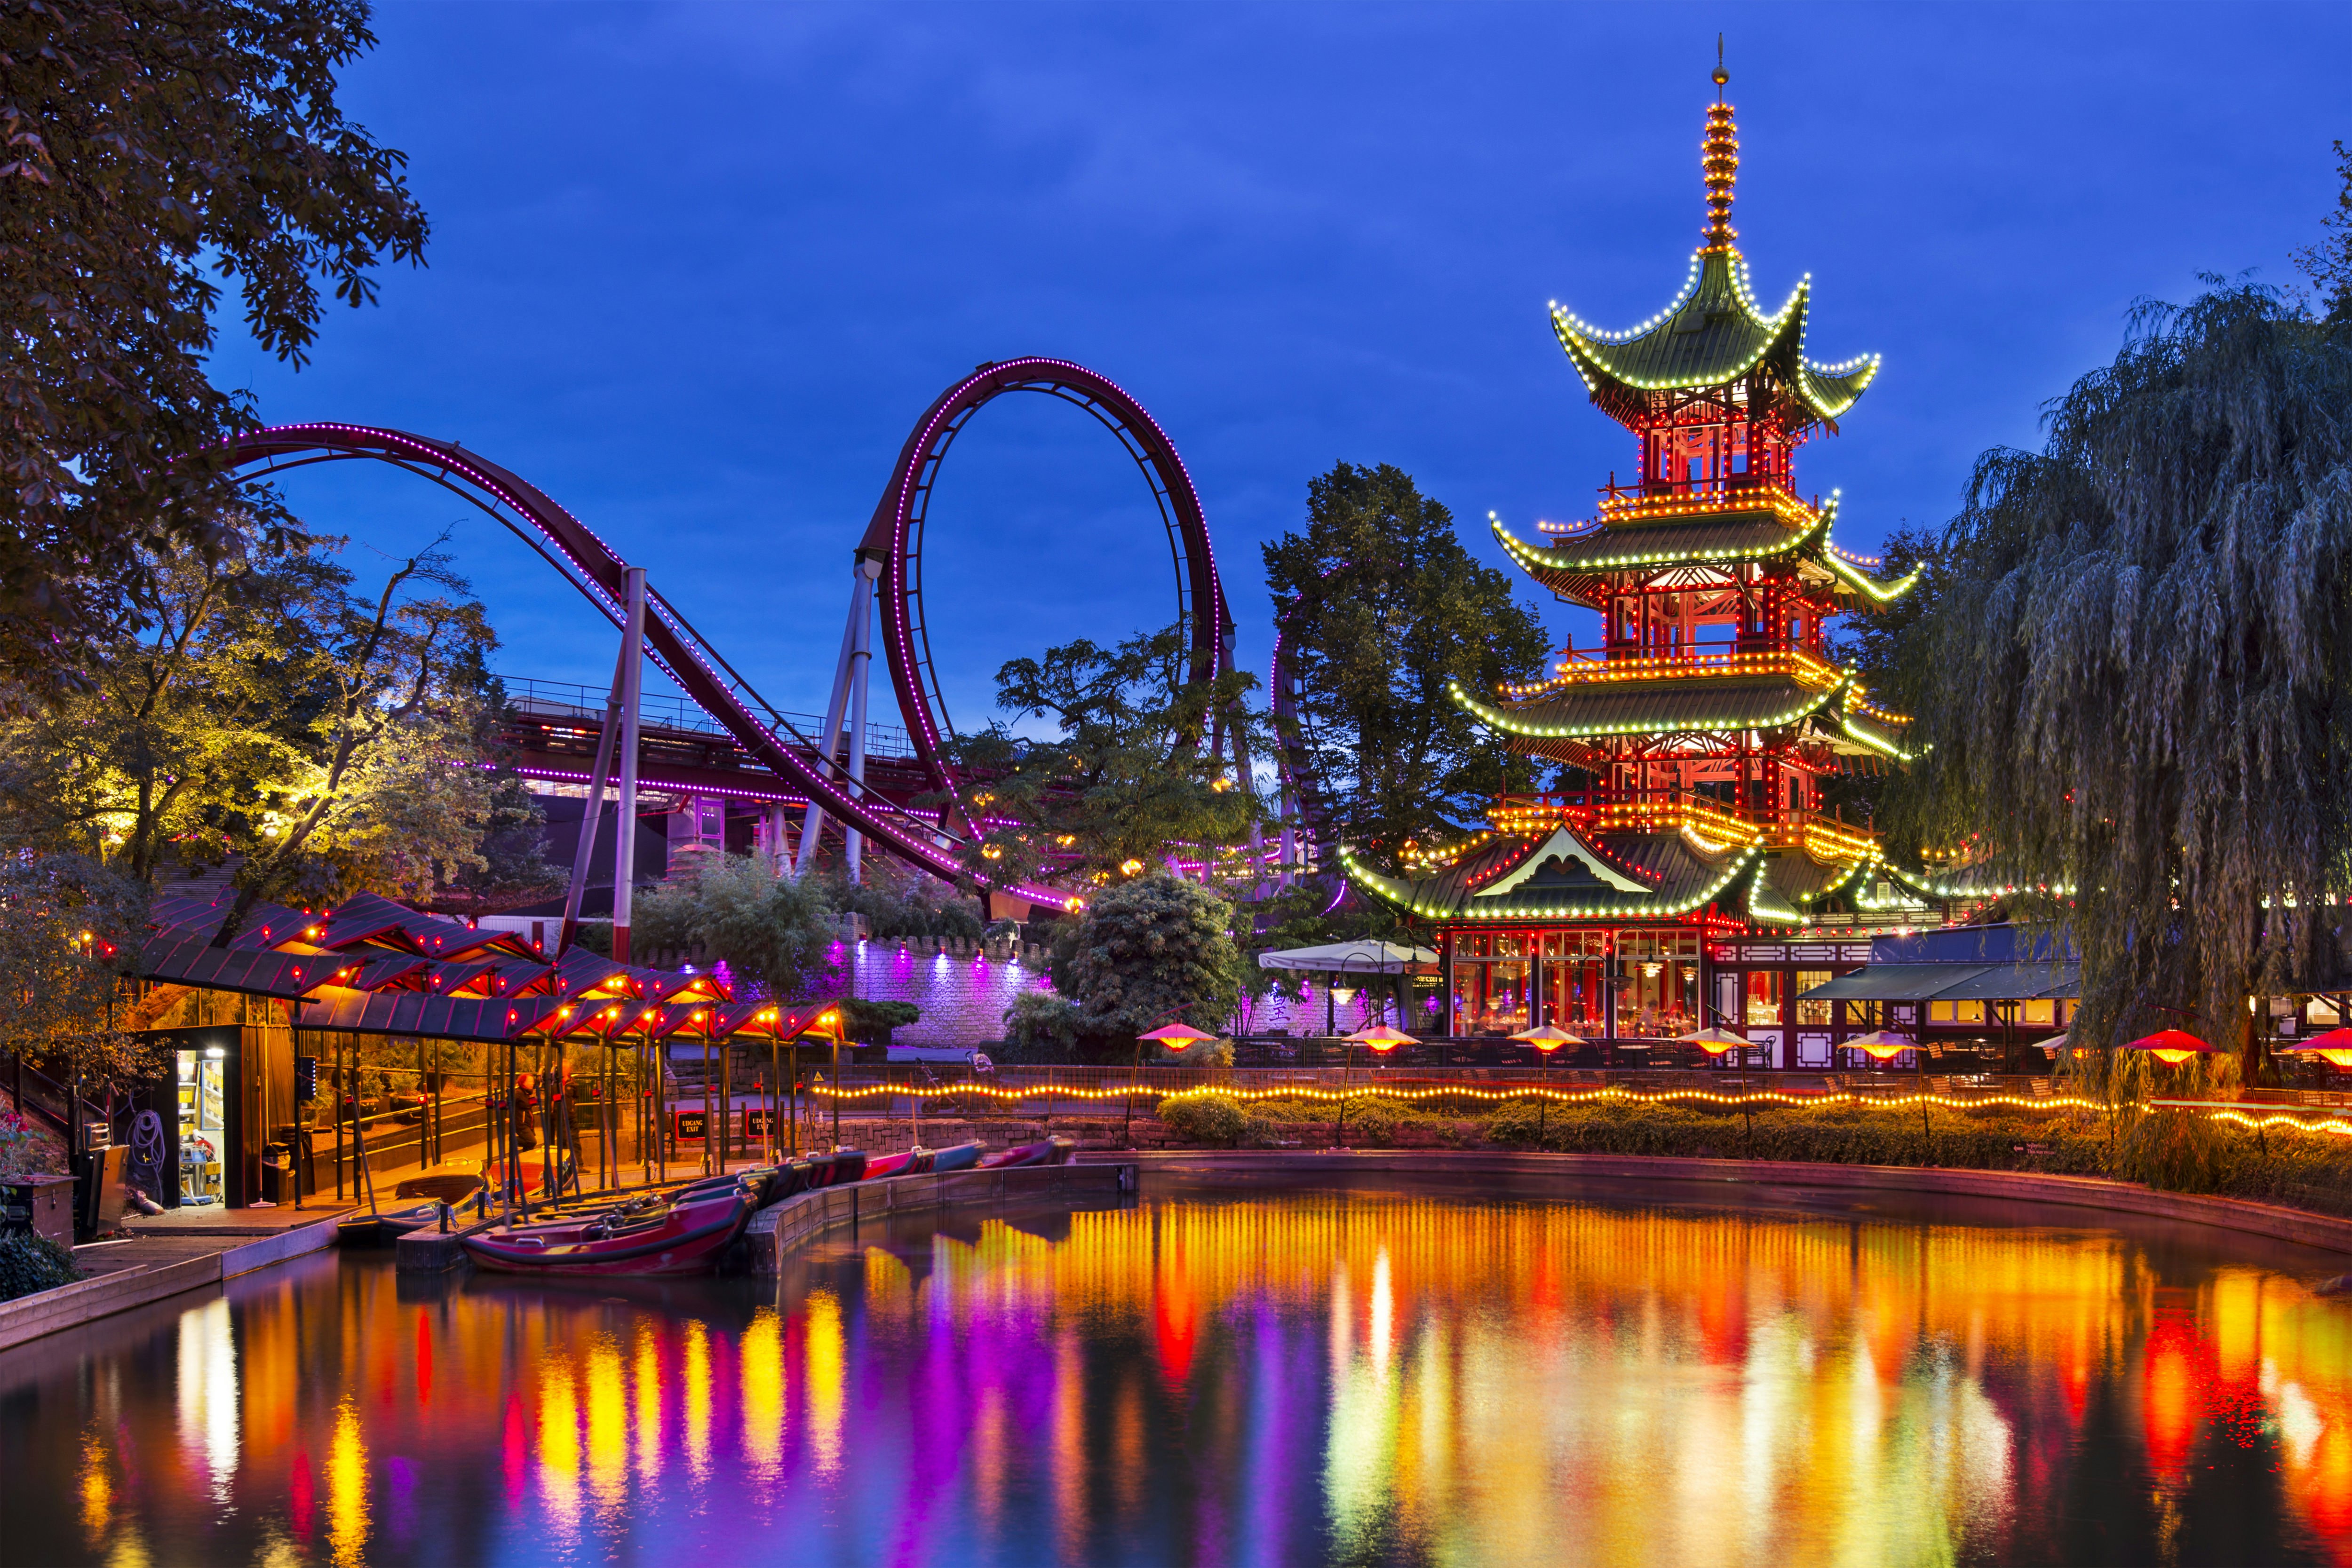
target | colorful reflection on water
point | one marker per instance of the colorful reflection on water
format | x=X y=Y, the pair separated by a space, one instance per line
x=1235 y=1377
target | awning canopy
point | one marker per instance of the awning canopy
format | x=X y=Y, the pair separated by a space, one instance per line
x=371 y=967
x=1892 y=983
x=1950 y=983
x=2016 y=982
x=1350 y=958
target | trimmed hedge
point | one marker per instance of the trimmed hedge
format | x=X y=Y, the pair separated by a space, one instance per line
x=2301 y=1170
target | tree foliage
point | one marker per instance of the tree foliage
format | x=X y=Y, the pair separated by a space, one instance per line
x=897 y=900
x=154 y=151
x=1875 y=643
x=2328 y=262
x=1127 y=777
x=1381 y=607
x=770 y=930
x=68 y=929
x=1148 y=951
x=252 y=704
x=2135 y=676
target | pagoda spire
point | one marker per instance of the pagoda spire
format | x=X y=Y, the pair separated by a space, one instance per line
x=1719 y=156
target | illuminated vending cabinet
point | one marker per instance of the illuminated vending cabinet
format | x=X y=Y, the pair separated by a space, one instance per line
x=203 y=1124
x=1692 y=752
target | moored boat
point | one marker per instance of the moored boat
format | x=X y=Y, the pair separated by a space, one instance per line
x=956 y=1157
x=686 y=1235
x=906 y=1162
x=384 y=1226
x=1045 y=1151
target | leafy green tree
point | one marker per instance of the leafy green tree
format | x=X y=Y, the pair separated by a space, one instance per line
x=1877 y=642
x=250 y=704
x=899 y=901
x=2328 y=262
x=147 y=149
x=770 y=930
x=68 y=929
x=2133 y=680
x=1041 y=1030
x=514 y=867
x=1127 y=779
x=1381 y=607
x=1148 y=952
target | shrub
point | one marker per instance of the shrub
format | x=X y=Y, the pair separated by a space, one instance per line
x=1041 y=1030
x=1212 y=1120
x=1371 y=1123
x=30 y=1263
x=24 y=1148
x=870 y=1023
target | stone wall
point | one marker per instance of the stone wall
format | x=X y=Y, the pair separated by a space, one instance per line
x=963 y=996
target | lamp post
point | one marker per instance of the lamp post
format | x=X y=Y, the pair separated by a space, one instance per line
x=1176 y=1036
x=1382 y=1039
x=1547 y=1038
x=1885 y=1045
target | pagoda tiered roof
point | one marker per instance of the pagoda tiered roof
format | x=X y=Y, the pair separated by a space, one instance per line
x=1707 y=722
x=1592 y=700
x=1546 y=859
x=1713 y=334
x=1684 y=543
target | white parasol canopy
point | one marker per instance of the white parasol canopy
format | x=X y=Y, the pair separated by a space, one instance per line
x=1365 y=957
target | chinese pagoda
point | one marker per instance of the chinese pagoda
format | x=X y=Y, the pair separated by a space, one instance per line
x=1698 y=735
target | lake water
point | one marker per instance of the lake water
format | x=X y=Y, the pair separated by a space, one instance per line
x=1229 y=1374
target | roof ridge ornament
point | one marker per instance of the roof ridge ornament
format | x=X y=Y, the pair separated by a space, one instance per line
x=1719 y=159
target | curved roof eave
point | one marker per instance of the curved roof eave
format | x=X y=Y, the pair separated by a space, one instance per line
x=1828 y=389
x=1503 y=723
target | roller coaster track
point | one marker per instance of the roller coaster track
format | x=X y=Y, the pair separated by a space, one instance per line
x=894 y=536
x=671 y=642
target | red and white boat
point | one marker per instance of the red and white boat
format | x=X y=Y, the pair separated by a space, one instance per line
x=684 y=1235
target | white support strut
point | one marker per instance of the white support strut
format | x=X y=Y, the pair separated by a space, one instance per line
x=625 y=826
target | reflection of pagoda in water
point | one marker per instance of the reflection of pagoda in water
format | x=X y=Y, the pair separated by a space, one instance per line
x=1702 y=728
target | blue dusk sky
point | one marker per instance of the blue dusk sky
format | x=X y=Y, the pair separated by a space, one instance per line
x=696 y=270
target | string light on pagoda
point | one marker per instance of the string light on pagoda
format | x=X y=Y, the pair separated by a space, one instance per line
x=1719 y=156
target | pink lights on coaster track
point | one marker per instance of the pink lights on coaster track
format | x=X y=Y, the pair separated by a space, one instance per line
x=894 y=537
x=671 y=642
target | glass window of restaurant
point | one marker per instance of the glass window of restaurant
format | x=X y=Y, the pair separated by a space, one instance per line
x=1763 y=996
x=1660 y=999
x=1812 y=1014
x=1491 y=978
x=1576 y=981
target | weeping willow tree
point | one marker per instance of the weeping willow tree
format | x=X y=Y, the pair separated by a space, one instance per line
x=2135 y=675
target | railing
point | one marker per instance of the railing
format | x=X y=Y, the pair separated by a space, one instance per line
x=570 y=699
x=1827 y=835
x=867 y=1093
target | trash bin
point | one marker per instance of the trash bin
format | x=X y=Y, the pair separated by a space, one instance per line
x=296 y=1151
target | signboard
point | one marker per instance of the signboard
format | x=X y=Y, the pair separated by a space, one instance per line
x=686 y=1126
x=758 y=1122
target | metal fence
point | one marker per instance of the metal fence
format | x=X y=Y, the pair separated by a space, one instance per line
x=868 y=1090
